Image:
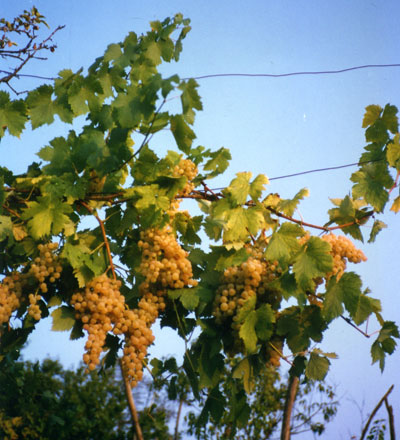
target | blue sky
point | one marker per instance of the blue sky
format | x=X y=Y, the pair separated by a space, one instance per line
x=274 y=126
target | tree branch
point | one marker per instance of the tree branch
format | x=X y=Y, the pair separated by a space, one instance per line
x=177 y=418
x=371 y=417
x=389 y=409
x=289 y=403
x=131 y=403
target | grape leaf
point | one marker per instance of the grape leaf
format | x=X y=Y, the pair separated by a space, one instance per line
x=41 y=106
x=290 y=205
x=182 y=133
x=190 y=99
x=231 y=258
x=376 y=228
x=371 y=182
x=243 y=370
x=265 y=320
x=313 y=261
x=317 y=366
x=396 y=205
x=372 y=113
x=63 y=319
x=389 y=118
x=393 y=153
x=284 y=244
x=238 y=189
x=188 y=297
x=347 y=289
x=248 y=333
x=13 y=115
x=384 y=343
x=48 y=216
x=257 y=186
x=218 y=163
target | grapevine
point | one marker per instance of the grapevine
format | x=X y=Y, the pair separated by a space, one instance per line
x=231 y=291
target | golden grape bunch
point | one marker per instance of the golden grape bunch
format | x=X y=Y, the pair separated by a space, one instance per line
x=239 y=283
x=45 y=268
x=342 y=249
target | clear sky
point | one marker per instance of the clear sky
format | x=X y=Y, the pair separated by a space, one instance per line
x=275 y=126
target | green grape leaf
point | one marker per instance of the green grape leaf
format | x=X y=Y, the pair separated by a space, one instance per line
x=243 y=370
x=257 y=186
x=393 y=153
x=389 y=118
x=13 y=115
x=313 y=261
x=41 y=106
x=148 y=196
x=214 y=405
x=239 y=223
x=48 y=216
x=6 y=227
x=289 y=206
x=182 y=133
x=265 y=322
x=372 y=113
x=63 y=319
x=384 y=343
x=284 y=244
x=298 y=326
x=218 y=163
x=347 y=290
x=153 y=52
x=188 y=297
x=231 y=258
x=239 y=188
x=317 y=366
x=190 y=99
x=248 y=332
x=188 y=227
x=113 y=52
x=130 y=108
x=54 y=301
x=82 y=95
x=371 y=183
x=376 y=228
x=364 y=307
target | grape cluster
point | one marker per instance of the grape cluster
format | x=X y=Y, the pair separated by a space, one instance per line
x=341 y=249
x=44 y=268
x=34 y=309
x=99 y=306
x=239 y=283
x=10 y=295
x=46 y=265
x=163 y=259
x=188 y=169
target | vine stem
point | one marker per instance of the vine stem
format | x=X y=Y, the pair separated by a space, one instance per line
x=176 y=434
x=103 y=231
x=354 y=326
x=282 y=356
x=289 y=403
x=131 y=403
x=371 y=417
x=389 y=409
x=395 y=182
x=215 y=196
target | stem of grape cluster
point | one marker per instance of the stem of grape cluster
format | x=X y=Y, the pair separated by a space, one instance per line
x=103 y=231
